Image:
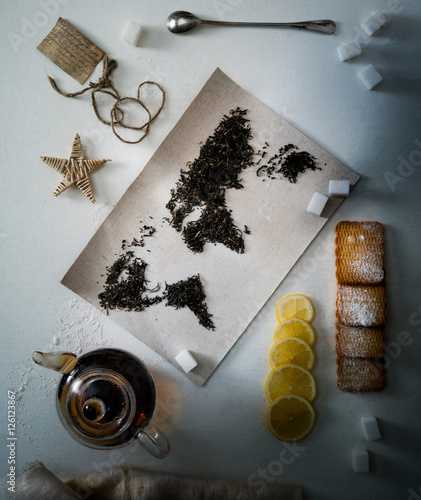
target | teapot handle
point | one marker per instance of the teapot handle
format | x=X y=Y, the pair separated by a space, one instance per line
x=154 y=441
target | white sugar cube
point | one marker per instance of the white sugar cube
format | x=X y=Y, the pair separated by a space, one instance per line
x=186 y=360
x=374 y=22
x=370 y=76
x=370 y=428
x=317 y=203
x=132 y=32
x=347 y=50
x=360 y=461
x=339 y=188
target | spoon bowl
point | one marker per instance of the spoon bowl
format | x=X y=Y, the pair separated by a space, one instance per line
x=182 y=21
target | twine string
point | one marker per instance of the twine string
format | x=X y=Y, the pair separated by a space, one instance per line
x=116 y=113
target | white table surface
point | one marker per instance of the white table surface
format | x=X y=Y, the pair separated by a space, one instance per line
x=217 y=431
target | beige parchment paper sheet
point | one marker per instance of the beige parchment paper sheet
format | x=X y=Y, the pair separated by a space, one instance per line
x=236 y=285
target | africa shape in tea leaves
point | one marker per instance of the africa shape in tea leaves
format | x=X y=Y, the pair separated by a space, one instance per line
x=222 y=158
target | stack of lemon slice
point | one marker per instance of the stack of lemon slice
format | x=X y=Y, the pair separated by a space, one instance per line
x=290 y=387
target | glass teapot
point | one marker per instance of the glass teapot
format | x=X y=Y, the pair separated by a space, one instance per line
x=106 y=398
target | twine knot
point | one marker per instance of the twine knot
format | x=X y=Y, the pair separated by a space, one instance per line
x=104 y=81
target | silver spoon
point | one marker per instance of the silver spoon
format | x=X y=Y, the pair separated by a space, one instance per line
x=182 y=21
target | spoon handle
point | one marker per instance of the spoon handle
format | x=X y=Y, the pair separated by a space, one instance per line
x=322 y=25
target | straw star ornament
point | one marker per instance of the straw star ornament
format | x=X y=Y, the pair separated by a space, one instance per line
x=75 y=170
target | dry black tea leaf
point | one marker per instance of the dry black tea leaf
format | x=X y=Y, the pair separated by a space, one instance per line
x=287 y=163
x=126 y=286
x=190 y=293
x=222 y=158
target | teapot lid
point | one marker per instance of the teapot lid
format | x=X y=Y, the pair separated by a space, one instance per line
x=99 y=403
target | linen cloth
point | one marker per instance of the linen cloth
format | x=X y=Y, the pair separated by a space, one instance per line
x=39 y=483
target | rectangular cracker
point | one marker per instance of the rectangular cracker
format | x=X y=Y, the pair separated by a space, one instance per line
x=360 y=305
x=359 y=253
x=360 y=374
x=359 y=341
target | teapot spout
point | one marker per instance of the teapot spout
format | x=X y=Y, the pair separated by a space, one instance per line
x=61 y=361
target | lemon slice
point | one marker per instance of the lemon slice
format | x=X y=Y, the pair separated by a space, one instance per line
x=291 y=351
x=290 y=418
x=295 y=306
x=290 y=380
x=294 y=327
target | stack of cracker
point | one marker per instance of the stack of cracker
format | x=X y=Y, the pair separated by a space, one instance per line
x=360 y=305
